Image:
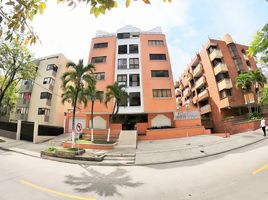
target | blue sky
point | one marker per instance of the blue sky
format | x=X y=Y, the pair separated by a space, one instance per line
x=186 y=23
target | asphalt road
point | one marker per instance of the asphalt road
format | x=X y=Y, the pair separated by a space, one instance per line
x=241 y=174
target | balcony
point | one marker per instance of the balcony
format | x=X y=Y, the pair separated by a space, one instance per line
x=186 y=92
x=26 y=88
x=19 y=116
x=200 y=82
x=177 y=84
x=23 y=102
x=177 y=92
x=198 y=71
x=189 y=77
x=194 y=99
x=181 y=87
x=225 y=83
x=205 y=109
x=249 y=98
x=216 y=53
x=178 y=100
x=203 y=95
x=220 y=67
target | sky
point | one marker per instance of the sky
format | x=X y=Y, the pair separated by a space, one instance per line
x=187 y=25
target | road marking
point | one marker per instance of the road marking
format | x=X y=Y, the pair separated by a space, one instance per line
x=260 y=169
x=70 y=196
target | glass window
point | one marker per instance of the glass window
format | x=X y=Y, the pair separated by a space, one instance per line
x=134 y=80
x=158 y=57
x=225 y=93
x=134 y=99
x=134 y=63
x=52 y=67
x=122 y=63
x=100 y=59
x=49 y=80
x=161 y=93
x=155 y=42
x=133 y=48
x=222 y=76
x=100 y=75
x=122 y=79
x=211 y=49
x=122 y=49
x=159 y=73
x=123 y=35
x=43 y=111
x=216 y=61
x=45 y=95
x=100 y=45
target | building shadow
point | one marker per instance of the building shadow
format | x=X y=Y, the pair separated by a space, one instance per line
x=103 y=184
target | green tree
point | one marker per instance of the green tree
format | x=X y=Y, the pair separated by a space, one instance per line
x=119 y=95
x=15 y=16
x=75 y=80
x=17 y=64
x=243 y=81
x=92 y=94
x=264 y=95
x=259 y=46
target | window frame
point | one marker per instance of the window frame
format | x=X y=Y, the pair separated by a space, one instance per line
x=157 y=57
x=94 y=59
x=165 y=72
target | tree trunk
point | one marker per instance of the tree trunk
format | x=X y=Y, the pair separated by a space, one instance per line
x=92 y=124
x=73 y=122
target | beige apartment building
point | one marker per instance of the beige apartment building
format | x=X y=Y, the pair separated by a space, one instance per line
x=40 y=100
x=209 y=82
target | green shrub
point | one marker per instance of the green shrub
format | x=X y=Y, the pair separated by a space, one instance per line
x=253 y=116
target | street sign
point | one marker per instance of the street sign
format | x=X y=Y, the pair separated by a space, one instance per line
x=79 y=128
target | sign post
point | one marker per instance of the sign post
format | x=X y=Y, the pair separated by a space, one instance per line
x=78 y=129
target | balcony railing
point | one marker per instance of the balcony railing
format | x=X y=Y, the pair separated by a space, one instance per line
x=205 y=109
x=202 y=95
x=18 y=116
x=200 y=82
x=26 y=88
x=186 y=92
x=216 y=53
x=220 y=67
x=198 y=70
x=225 y=83
x=23 y=102
x=177 y=91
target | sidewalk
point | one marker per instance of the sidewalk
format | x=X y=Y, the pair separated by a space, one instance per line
x=152 y=152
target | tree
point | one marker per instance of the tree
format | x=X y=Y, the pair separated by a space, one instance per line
x=15 y=16
x=92 y=94
x=17 y=64
x=75 y=80
x=259 y=46
x=264 y=96
x=243 y=81
x=116 y=92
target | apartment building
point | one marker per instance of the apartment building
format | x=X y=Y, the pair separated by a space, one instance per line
x=40 y=100
x=139 y=61
x=209 y=82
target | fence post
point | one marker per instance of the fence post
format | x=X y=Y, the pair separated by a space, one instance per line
x=35 y=132
x=18 y=130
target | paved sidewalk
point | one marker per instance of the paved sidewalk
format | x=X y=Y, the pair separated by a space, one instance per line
x=153 y=152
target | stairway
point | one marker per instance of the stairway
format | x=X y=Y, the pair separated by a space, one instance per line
x=127 y=140
x=119 y=158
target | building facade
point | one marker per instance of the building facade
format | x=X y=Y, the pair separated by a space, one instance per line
x=209 y=83
x=139 y=60
x=40 y=100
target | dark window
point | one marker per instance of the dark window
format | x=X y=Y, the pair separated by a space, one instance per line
x=52 y=67
x=222 y=76
x=122 y=79
x=100 y=59
x=100 y=75
x=211 y=49
x=100 y=45
x=133 y=48
x=248 y=63
x=155 y=42
x=43 y=111
x=134 y=99
x=122 y=49
x=159 y=73
x=225 y=93
x=123 y=35
x=161 y=93
x=122 y=63
x=49 y=80
x=216 y=61
x=158 y=57
x=134 y=80
x=133 y=63
x=45 y=95
x=235 y=55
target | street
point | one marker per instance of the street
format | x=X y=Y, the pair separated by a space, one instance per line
x=240 y=174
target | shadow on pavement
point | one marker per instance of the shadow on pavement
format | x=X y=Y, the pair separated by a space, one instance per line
x=103 y=184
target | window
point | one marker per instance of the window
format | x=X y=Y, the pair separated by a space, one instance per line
x=100 y=75
x=100 y=45
x=161 y=93
x=122 y=79
x=43 y=111
x=122 y=63
x=134 y=99
x=211 y=49
x=133 y=48
x=222 y=76
x=100 y=59
x=123 y=35
x=27 y=82
x=155 y=42
x=159 y=73
x=22 y=110
x=45 y=95
x=52 y=67
x=134 y=63
x=225 y=93
x=122 y=49
x=134 y=80
x=216 y=61
x=49 y=80
x=158 y=57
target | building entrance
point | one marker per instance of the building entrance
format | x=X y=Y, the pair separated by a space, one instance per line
x=129 y=121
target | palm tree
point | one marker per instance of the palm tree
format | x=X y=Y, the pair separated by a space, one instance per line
x=116 y=92
x=258 y=80
x=74 y=83
x=264 y=96
x=92 y=94
x=243 y=81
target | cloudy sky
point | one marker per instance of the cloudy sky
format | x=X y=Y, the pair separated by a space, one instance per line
x=186 y=23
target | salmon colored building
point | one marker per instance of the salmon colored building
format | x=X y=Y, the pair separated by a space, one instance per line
x=209 y=84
